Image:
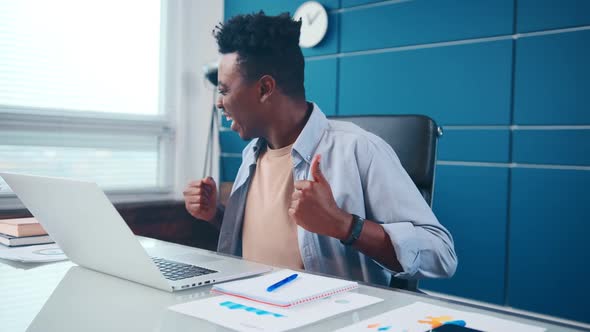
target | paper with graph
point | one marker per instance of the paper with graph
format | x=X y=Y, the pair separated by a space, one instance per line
x=420 y=317
x=243 y=315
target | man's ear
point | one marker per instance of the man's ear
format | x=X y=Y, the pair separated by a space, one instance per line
x=267 y=87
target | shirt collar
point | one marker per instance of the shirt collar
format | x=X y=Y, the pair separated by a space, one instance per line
x=305 y=144
x=310 y=136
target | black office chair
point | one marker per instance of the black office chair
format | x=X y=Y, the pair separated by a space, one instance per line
x=414 y=139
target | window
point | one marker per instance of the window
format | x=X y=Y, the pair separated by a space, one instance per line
x=82 y=93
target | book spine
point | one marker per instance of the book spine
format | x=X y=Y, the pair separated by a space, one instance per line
x=25 y=241
x=31 y=244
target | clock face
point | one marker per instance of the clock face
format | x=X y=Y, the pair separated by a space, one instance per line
x=314 y=23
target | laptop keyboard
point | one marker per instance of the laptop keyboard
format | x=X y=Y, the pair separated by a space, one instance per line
x=175 y=271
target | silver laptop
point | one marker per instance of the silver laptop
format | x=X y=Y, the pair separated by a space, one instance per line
x=82 y=221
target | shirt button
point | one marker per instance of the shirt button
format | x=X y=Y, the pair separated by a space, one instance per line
x=308 y=158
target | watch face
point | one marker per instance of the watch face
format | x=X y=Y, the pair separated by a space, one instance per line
x=314 y=23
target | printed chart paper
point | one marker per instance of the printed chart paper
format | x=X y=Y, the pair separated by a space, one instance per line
x=420 y=317
x=244 y=315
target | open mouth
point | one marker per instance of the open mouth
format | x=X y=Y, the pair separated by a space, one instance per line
x=229 y=118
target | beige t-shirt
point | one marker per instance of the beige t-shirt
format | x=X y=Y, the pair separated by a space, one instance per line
x=269 y=235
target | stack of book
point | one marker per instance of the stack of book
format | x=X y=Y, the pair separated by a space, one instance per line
x=22 y=232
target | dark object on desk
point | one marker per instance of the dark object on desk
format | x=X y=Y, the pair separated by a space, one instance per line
x=414 y=139
x=454 y=328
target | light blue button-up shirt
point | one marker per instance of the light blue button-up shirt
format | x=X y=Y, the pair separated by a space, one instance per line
x=367 y=179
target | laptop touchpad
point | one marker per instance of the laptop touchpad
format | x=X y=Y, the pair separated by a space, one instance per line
x=194 y=258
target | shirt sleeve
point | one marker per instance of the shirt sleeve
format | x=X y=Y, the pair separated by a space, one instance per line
x=218 y=219
x=423 y=247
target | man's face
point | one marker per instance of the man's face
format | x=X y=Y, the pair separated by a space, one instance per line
x=238 y=99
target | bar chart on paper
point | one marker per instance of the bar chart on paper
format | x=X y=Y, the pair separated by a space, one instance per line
x=260 y=312
x=244 y=315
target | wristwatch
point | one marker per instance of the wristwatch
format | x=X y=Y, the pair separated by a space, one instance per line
x=357 y=227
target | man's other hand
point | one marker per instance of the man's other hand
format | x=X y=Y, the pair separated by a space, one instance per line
x=313 y=206
x=200 y=199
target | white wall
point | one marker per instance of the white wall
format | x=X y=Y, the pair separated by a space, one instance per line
x=192 y=96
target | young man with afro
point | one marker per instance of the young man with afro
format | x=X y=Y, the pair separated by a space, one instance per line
x=311 y=193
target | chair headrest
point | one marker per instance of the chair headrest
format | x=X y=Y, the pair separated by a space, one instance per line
x=412 y=137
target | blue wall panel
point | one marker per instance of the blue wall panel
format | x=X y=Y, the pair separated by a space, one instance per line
x=549 y=256
x=351 y=3
x=534 y=15
x=475 y=145
x=229 y=168
x=470 y=202
x=270 y=7
x=320 y=83
x=463 y=84
x=561 y=147
x=552 y=79
x=231 y=142
x=421 y=21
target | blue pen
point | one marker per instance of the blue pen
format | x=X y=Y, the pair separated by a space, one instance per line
x=282 y=282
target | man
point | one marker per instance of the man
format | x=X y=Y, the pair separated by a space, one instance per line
x=307 y=184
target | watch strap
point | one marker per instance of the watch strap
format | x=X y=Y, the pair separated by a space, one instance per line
x=357 y=227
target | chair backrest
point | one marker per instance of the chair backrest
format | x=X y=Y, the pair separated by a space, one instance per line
x=414 y=139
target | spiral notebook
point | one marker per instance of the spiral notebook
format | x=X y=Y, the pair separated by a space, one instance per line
x=305 y=288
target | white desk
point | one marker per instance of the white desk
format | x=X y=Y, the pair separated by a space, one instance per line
x=64 y=297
